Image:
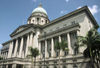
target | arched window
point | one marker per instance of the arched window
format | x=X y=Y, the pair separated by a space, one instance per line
x=37 y=20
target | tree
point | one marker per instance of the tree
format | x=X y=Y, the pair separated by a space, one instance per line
x=34 y=52
x=61 y=46
x=92 y=41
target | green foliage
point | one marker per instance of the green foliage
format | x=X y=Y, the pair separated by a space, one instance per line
x=61 y=45
x=92 y=41
x=33 y=52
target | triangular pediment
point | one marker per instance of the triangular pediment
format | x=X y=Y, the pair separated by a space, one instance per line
x=23 y=28
x=19 y=29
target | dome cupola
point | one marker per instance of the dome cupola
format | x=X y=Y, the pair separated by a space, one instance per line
x=38 y=16
x=39 y=9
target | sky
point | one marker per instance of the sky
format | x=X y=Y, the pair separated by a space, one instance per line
x=14 y=13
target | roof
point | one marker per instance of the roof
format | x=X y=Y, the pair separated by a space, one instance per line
x=39 y=9
x=80 y=10
x=83 y=9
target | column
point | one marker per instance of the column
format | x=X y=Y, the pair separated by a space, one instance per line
x=27 y=45
x=15 y=51
x=61 y=51
x=52 y=50
x=31 y=38
x=46 y=52
x=21 y=47
x=40 y=56
x=10 y=49
x=7 y=66
x=69 y=44
x=14 y=65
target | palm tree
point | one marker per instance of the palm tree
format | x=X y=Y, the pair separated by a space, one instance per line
x=34 y=52
x=92 y=41
x=61 y=46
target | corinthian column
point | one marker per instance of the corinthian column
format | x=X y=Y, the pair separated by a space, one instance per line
x=31 y=39
x=52 y=50
x=46 y=52
x=10 y=49
x=69 y=44
x=21 y=47
x=61 y=51
x=16 y=46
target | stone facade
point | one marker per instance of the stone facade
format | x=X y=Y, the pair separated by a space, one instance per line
x=43 y=34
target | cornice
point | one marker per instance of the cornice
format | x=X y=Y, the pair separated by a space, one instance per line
x=60 y=30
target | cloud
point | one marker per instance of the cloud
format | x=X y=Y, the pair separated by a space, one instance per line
x=34 y=0
x=79 y=7
x=94 y=9
x=67 y=0
x=63 y=11
x=0 y=46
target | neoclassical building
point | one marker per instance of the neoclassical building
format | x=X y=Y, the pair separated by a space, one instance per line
x=41 y=33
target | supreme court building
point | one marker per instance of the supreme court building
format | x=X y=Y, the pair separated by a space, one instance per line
x=41 y=33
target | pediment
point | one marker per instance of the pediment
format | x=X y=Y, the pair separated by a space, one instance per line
x=19 y=29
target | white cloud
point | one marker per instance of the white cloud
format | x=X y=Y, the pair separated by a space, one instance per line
x=79 y=7
x=0 y=46
x=34 y=0
x=67 y=0
x=94 y=9
x=63 y=12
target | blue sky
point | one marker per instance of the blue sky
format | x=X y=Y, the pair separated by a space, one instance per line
x=14 y=13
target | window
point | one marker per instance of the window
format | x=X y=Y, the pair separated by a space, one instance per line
x=42 y=20
x=38 y=20
x=33 y=20
x=46 y=21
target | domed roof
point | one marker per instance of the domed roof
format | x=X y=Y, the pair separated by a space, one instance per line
x=39 y=9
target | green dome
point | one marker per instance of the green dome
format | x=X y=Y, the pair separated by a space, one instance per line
x=39 y=9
